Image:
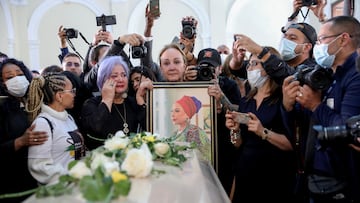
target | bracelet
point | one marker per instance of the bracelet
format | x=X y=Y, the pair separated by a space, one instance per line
x=234 y=135
x=266 y=134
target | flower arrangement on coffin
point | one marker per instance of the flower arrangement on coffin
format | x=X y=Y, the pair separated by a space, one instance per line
x=104 y=174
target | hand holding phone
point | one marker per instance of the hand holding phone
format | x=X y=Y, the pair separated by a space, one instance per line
x=242 y=118
x=155 y=8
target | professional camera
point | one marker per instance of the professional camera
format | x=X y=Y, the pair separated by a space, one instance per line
x=138 y=51
x=71 y=33
x=318 y=78
x=309 y=2
x=188 y=29
x=205 y=72
x=349 y=132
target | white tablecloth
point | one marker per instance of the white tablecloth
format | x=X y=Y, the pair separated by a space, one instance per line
x=195 y=182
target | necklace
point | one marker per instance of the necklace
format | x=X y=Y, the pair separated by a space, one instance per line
x=125 y=125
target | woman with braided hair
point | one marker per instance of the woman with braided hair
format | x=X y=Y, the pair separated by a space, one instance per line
x=49 y=97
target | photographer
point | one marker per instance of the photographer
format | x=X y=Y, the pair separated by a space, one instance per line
x=96 y=49
x=210 y=60
x=333 y=171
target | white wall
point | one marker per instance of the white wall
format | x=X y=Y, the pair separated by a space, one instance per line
x=29 y=28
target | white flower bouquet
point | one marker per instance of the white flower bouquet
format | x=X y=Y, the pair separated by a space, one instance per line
x=104 y=174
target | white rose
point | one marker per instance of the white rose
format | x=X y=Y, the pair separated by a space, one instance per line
x=138 y=162
x=120 y=133
x=110 y=166
x=99 y=159
x=161 y=149
x=80 y=170
x=116 y=142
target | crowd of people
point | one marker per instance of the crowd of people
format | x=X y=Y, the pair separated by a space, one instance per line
x=275 y=108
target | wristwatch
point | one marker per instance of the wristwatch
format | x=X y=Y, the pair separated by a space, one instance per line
x=264 y=51
x=265 y=134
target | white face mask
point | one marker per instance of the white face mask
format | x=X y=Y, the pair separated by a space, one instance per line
x=255 y=79
x=287 y=49
x=223 y=58
x=322 y=56
x=17 y=86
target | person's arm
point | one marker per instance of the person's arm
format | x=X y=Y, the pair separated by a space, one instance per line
x=40 y=161
x=274 y=66
x=349 y=105
x=63 y=45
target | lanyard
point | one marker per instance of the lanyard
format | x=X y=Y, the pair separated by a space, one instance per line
x=329 y=90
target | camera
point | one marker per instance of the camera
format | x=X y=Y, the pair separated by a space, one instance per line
x=205 y=72
x=104 y=20
x=349 y=132
x=188 y=29
x=138 y=51
x=71 y=33
x=309 y=2
x=317 y=77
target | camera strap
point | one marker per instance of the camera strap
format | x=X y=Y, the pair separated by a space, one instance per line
x=329 y=90
x=73 y=48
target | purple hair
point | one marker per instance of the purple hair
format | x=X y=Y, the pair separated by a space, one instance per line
x=107 y=66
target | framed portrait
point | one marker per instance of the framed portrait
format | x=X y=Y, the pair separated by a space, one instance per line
x=186 y=111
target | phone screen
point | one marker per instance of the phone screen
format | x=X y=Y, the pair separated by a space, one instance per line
x=155 y=8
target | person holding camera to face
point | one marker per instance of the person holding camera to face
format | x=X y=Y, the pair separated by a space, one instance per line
x=208 y=69
x=332 y=166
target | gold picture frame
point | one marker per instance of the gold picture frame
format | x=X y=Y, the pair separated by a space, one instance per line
x=164 y=95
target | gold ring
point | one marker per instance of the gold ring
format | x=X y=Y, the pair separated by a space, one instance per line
x=35 y=140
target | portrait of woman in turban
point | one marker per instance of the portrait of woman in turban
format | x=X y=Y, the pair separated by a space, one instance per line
x=181 y=113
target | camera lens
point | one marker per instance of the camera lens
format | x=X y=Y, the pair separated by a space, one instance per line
x=138 y=51
x=188 y=32
x=205 y=73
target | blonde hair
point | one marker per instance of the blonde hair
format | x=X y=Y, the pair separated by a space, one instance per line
x=172 y=46
x=43 y=90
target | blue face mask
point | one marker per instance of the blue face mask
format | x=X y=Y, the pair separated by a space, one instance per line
x=287 y=49
x=322 y=56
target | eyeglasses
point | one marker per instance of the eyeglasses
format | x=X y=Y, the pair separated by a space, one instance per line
x=68 y=64
x=253 y=63
x=326 y=37
x=73 y=91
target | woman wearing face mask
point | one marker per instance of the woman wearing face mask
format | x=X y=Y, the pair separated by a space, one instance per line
x=265 y=156
x=16 y=132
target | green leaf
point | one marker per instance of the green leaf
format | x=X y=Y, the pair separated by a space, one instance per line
x=122 y=188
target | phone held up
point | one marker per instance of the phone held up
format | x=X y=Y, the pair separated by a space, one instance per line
x=242 y=118
x=155 y=8
x=104 y=20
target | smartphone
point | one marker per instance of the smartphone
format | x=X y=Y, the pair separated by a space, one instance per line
x=155 y=8
x=242 y=118
x=104 y=20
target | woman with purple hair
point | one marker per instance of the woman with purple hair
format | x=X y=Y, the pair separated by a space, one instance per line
x=114 y=110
